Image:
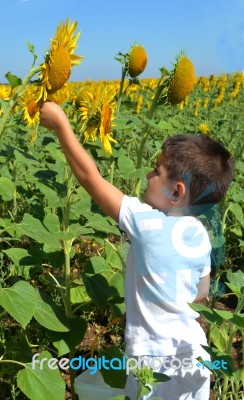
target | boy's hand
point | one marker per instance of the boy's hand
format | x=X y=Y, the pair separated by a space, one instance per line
x=52 y=116
x=203 y=288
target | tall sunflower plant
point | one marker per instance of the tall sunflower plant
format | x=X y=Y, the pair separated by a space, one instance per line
x=172 y=88
x=27 y=302
x=133 y=64
x=54 y=72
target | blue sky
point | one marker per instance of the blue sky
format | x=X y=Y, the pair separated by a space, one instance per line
x=211 y=32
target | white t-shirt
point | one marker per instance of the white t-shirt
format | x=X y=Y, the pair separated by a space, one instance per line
x=167 y=257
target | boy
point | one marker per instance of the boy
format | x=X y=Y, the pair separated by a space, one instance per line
x=168 y=264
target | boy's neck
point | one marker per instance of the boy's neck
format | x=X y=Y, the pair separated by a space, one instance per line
x=178 y=212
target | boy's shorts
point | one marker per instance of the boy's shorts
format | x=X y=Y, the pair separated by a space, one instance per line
x=186 y=383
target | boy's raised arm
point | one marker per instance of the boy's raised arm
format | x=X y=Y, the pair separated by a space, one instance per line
x=107 y=196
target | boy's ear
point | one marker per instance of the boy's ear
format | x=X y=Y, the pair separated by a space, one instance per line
x=179 y=193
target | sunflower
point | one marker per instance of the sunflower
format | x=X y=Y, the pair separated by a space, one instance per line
x=97 y=113
x=58 y=62
x=204 y=128
x=182 y=80
x=5 y=92
x=137 y=61
x=105 y=126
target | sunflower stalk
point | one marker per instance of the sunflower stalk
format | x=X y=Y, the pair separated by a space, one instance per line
x=67 y=245
x=122 y=82
x=172 y=88
x=18 y=93
x=161 y=86
x=67 y=248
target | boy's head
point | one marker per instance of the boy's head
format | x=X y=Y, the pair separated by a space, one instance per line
x=198 y=171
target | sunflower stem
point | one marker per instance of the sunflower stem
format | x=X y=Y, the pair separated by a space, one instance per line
x=122 y=82
x=18 y=93
x=154 y=105
x=67 y=243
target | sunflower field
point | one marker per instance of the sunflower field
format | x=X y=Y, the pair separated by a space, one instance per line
x=62 y=261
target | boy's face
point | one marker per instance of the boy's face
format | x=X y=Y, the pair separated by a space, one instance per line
x=160 y=190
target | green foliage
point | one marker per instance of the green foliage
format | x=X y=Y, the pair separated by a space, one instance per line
x=63 y=261
x=41 y=383
x=13 y=80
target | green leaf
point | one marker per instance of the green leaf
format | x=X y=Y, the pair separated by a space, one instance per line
x=234 y=289
x=163 y=71
x=19 y=301
x=114 y=378
x=81 y=204
x=96 y=265
x=13 y=80
x=25 y=158
x=31 y=48
x=219 y=355
x=78 y=295
x=22 y=257
x=208 y=313
x=236 y=209
x=165 y=126
x=128 y=169
x=218 y=336
x=75 y=230
x=51 y=222
x=97 y=288
x=51 y=195
x=236 y=281
x=49 y=315
x=238 y=320
x=56 y=153
x=113 y=257
x=6 y=189
x=65 y=342
x=237 y=230
x=33 y=228
x=116 y=284
x=99 y=223
x=19 y=348
x=41 y=383
x=159 y=377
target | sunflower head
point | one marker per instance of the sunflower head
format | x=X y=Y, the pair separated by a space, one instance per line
x=137 y=60
x=58 y=62
x=5 y=92
x=182 y=80
x=97 y=113
x=204 y=128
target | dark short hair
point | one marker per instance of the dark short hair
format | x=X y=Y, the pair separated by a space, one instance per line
x=203 y=164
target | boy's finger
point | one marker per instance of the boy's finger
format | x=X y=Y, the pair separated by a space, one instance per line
x=41 y=102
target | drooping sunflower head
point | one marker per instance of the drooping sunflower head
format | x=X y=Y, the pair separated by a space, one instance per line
x=56 y=69
x=137 y=61
x=182 y=80
x=97 y=113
